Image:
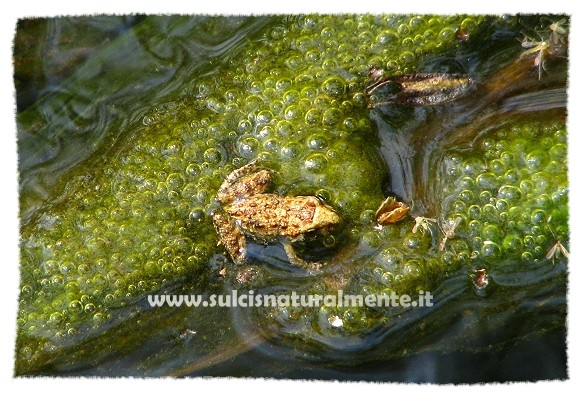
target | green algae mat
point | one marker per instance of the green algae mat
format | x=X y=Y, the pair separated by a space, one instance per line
x=338 y=197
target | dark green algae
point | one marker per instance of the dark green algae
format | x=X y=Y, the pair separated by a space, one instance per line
x=137 y=220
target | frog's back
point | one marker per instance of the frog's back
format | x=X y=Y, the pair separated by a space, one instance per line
x=271 y=215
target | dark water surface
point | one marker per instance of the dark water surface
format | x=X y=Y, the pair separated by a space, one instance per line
x=83 y=82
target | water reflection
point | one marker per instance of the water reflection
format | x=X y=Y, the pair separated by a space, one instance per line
x=112 y=80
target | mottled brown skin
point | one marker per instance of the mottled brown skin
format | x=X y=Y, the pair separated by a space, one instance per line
x=270 y=215
x=249 y=212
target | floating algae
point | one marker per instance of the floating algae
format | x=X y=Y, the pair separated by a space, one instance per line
x=497 y=213
x=137 y=220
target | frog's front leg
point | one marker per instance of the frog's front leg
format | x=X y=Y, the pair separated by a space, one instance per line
x=247 y=180
x=296 y=260
x=231 y=236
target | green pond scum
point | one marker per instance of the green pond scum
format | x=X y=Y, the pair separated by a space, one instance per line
x=475 y=145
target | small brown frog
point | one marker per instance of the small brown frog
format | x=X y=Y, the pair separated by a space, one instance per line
x=250 y=212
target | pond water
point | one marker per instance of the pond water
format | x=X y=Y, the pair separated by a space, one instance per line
x=491 y=164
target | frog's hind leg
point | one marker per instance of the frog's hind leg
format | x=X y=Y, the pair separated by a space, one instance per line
x=247 y=180
x=231 y=236
x=296 y=260
x=241 y=171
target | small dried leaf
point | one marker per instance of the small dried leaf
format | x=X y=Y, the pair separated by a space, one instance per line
x=391 y=211
x=419 y=89
x=480 y=278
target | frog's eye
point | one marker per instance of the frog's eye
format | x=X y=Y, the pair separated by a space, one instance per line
x=323 y=198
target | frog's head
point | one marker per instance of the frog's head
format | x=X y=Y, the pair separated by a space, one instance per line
x=324 y=216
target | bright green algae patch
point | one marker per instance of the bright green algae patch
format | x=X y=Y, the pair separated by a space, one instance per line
x=513 y=200
x=137 y=221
